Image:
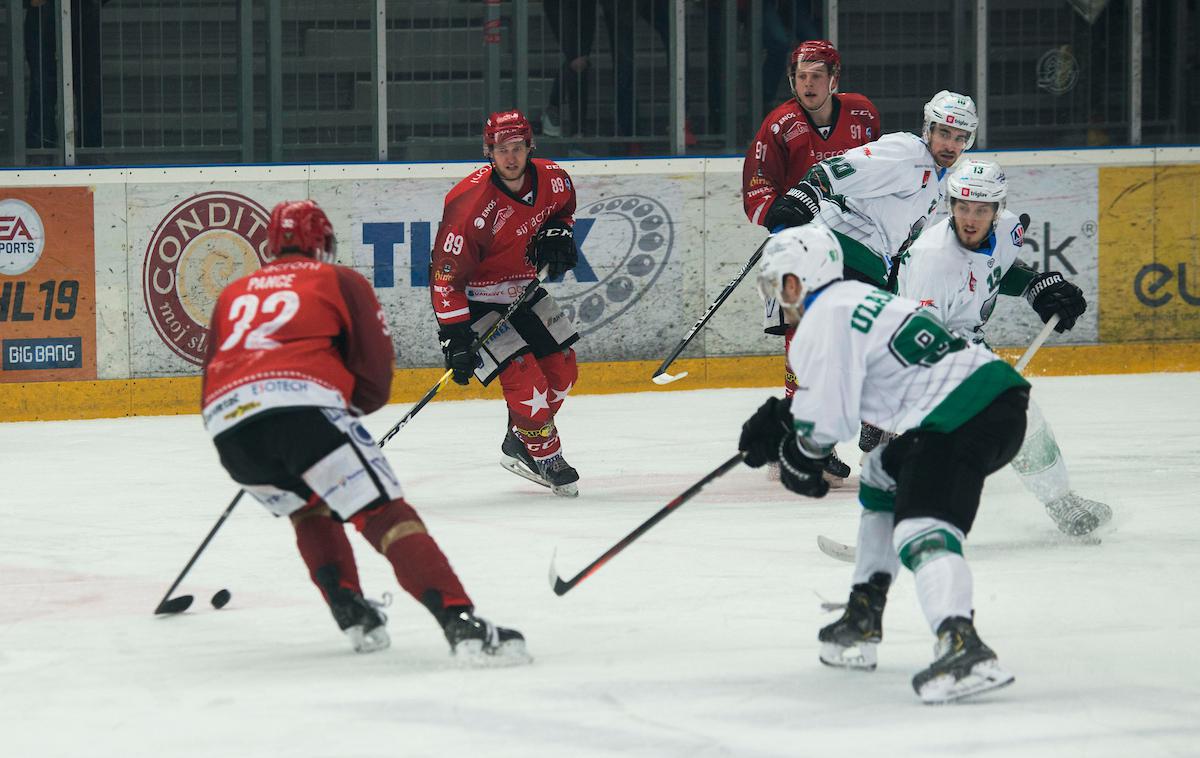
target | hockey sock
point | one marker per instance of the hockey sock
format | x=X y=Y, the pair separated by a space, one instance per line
x=1039 y=462
x=789 y=376
x=932 y=550
x=322 y=542
x=397 y=532
x=527 y=393
x=875 y=553
x=560 y=371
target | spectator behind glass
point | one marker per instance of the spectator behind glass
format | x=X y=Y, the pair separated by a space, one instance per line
x=41 y=55
x=574 y=22
x=785 y=23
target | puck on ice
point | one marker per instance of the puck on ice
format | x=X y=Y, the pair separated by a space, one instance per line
x=220 y=599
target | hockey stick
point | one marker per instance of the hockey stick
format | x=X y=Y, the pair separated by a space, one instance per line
x=660 y=375
x=476 y=346
x=562 y=587
x=841 y=552
x=1024 y=360
x=170 y=605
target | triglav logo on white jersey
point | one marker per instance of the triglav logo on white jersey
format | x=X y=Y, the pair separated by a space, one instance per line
x=22 y=237
x=627 y=248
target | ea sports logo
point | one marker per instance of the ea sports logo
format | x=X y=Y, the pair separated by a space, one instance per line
x=22 y=237
x=628 y=247
x=202 y=245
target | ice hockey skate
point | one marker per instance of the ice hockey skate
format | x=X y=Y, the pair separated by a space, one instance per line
x=478 y=642
x=359 y=619
x=553 y=473
x=836 y=470
x=851 y=641
x=963 y=665
x=1077 y=516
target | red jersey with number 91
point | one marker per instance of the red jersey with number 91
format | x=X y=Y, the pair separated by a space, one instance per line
x=479 y=251
x=296 y=332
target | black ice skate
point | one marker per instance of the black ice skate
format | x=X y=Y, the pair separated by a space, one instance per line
x=1077 y=516
x=476 y=641
x=553 y=473
x=962 y=666
x=835 y=469
x=358 y=618
x=851 y=641
x=560 y=474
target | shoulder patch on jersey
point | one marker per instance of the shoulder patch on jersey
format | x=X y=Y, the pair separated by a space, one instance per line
x=1018 y=235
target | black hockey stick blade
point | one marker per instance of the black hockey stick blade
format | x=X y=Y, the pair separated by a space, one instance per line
x=562 y=587
x=173 y=605
x=1024 y=219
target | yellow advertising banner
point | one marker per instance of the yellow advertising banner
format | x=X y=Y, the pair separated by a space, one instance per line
x=1149 y=253
x=47 y=284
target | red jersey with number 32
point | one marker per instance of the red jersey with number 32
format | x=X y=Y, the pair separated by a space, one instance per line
x=297 y=332
x=788 y=144
x=479 y=251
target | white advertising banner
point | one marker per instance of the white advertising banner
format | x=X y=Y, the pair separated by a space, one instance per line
x=658 y=240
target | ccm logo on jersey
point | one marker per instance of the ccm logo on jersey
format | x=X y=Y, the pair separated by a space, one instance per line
x=857 y=112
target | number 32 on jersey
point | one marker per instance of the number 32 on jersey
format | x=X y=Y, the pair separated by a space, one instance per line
x=245 y=309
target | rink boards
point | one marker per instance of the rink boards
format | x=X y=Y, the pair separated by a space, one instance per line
x=108 y=276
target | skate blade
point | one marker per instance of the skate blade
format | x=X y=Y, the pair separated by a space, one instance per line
x=470 y=654
x=984 y=677
x=369 y=642
x=862 y=657
x=566 y=490
x=518 y=468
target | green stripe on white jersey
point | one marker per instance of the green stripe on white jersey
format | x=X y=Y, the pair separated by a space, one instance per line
x=863 y=354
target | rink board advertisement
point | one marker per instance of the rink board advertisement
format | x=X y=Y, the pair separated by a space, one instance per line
x=631 y=234
x=116 y=280
x=47 y=284
x=1150 y=253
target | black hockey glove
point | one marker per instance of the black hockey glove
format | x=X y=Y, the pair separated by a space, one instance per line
x=798 y=472
x=1050 y=294
x=456 y=342
x=762 y=432
x=553 y=246
x=796 y=207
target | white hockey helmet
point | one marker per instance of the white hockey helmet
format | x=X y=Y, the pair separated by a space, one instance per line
x=811 y=253
x=981 y=181
x=954 y=110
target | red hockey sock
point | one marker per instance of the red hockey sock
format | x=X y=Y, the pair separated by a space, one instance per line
x=527 y=393
x=561 y=371
x=789 y=376
x=322 y=542
x=396 y=531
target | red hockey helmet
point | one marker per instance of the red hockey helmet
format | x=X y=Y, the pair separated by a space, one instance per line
x=506 y=126
x=816 y=51
x=301 y=227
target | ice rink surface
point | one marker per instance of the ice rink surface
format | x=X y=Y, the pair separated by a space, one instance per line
x=699 y=640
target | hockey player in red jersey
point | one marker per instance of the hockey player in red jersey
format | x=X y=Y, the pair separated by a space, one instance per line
x=501 y=225
x=296 y=352
x=818 y=123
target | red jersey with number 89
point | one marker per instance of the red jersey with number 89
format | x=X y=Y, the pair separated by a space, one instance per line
x=479 y=251
x=297 y=332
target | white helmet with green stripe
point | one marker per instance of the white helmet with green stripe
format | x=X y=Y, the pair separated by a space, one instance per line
x=811 y=253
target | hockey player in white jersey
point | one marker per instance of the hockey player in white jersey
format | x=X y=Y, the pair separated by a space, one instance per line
x=957 y=269
x=862 y=353
x=878 y=197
